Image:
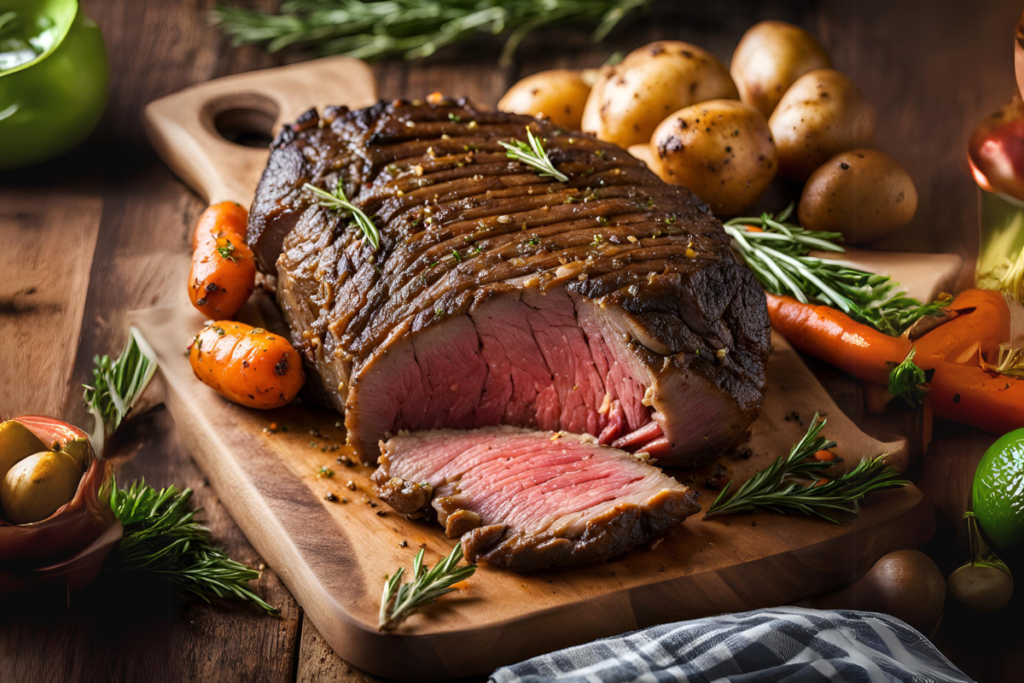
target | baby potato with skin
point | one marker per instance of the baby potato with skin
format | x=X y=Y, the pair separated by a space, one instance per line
x=630 y=99
x=769 y=57
x=864 y=194
x=822 y=114
x=559 y=94
x=721 y=150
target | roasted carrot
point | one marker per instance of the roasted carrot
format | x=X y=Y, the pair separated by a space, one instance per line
x=834 y=337
x=223 y=269
x=247 y=365
x=982 y=324
x=966 y=393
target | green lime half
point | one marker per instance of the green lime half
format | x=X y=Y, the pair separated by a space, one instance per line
x=999 y=494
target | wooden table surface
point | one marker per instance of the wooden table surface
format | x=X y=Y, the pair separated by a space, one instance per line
x=91 y=236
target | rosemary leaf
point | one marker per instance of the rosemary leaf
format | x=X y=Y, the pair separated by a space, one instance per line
x=116 y=386
x=907 y=381
x=163 y=539
x=779 y=488
x=532 y=154
x=401 y=599
x=779 y=255
x=339 y=202
x=412 y=29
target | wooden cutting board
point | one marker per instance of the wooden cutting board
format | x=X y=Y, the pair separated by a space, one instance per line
x=334 y=556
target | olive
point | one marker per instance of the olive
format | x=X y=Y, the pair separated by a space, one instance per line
x=38 y=485
x=17 y=442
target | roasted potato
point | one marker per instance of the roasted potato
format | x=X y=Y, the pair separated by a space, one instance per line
x=722 y=150
x=863 y=194
x=559 y=94
x=822 y=114
x=630 y=99
x=770 y=56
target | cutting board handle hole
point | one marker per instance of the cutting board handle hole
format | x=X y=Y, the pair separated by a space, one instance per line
x=246 y=120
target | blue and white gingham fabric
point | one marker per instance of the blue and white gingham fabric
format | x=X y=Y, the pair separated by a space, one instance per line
x=790 y=644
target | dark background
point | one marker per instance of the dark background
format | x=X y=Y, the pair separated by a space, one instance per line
x=89 y=237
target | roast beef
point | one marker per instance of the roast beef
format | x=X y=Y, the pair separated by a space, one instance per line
x=527 y=500
x=609 y=304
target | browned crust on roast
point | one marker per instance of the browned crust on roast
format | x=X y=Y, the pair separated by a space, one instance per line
x=606 y=537
x=438 y=182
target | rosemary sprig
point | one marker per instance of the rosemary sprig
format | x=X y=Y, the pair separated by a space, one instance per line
x=401 y=599
x=778 y=253
x=339 y=202
x=162 y=538
x=117 y=385
x=907 y=381
x=411 y=28
x=777 y=487
x=532 y=154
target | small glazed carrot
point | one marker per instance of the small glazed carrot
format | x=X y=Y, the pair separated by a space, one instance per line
x=223 y=269
x=834 y=337
x=966 y=393
x=247 y=365
x=982 y=323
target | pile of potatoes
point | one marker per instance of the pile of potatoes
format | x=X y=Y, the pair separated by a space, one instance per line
x=725 y=133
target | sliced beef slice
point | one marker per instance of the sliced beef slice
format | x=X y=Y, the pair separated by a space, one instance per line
x=609 y=305
x=527 y=500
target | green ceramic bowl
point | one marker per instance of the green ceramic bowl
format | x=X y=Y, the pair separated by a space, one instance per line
x=53 y=79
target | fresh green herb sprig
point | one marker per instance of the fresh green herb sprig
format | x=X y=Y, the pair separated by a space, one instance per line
x=778 y=253
x=117 y=385
x=339 y=202
x=532 y=154
x=401 y=599
x=778 y=487
x=907 y=381
x=162 y=538
x=411 y=28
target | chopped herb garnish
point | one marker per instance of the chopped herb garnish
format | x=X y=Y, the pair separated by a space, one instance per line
x=227 y=251
x=455 y=255
x=907 y=381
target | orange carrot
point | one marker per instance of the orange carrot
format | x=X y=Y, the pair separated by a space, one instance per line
x=247 y=365
x=223 y=269
x=966 y=393
x=834 y=337
x=982 y=323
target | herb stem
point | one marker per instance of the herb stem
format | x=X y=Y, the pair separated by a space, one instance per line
x=796 y=483
x=412 y=29
x=401 y=599
x=779 y=255
x=533 y=154
x=339 y=202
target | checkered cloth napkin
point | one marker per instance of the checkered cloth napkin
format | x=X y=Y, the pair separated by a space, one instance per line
x=790 y=644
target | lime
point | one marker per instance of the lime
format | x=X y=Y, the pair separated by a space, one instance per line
x=999 y=494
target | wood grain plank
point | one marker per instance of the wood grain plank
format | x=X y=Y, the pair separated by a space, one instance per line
x=140 y=244
x=43 y=294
